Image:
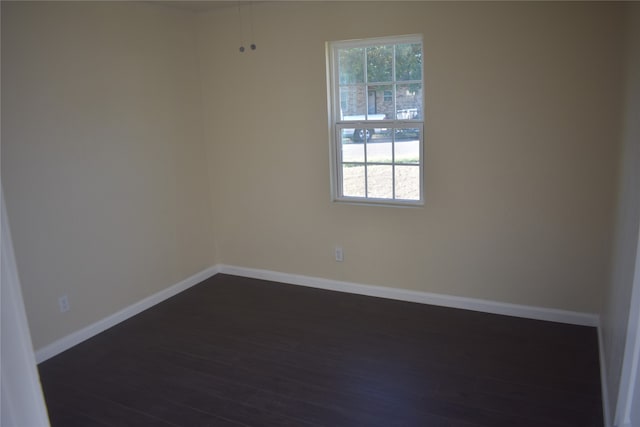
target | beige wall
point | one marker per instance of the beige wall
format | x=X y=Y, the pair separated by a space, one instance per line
x=102 y=156
x=139 y=147
x=522 y=112
x=618 y=295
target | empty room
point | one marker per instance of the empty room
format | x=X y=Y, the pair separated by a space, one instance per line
x=320 y=213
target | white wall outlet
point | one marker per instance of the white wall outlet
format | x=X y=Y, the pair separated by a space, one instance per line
x=339 y=254
x=63 y=302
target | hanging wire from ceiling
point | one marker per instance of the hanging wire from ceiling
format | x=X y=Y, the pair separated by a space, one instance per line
x=253 y=45
x=240 y=27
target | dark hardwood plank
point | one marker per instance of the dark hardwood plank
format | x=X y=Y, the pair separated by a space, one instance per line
x=233 y=351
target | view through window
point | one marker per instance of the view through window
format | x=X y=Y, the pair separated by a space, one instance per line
x=377 y=120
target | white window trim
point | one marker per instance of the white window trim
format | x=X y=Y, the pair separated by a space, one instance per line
x=333 y=100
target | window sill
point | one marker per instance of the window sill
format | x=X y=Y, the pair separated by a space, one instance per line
x=380 y=202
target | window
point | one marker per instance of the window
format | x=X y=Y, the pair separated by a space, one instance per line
x=377 y=121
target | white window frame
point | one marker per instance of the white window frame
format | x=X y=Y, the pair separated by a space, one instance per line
x=336 y=124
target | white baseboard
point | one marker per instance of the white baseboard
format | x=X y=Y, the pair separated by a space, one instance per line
x=95 y=328
x=486 y=306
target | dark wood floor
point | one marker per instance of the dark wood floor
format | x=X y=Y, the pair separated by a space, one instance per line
x=233 y=351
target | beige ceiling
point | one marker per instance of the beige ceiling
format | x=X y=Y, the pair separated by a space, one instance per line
x=197 y=6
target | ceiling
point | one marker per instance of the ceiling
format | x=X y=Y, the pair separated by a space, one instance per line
x=198 y=6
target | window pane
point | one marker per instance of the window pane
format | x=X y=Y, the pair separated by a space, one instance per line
x=353 y=182
x=351 y=152
x=351 y=65
x=408 y=62
x=379 y=64
x=407 y=182
x=409 y=101
x=380 y=102
x=407 y=145
x=380 y=182
x=345 y=135
x=353 y=103
x=380 y=150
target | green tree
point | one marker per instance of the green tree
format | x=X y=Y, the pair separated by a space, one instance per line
x=379 y=64
x=408 y=63
x=351 y=65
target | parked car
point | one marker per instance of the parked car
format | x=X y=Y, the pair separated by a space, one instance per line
x=359 y=134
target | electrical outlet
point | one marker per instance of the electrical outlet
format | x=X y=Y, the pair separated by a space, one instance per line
x=63 y=302
x=339 y=254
